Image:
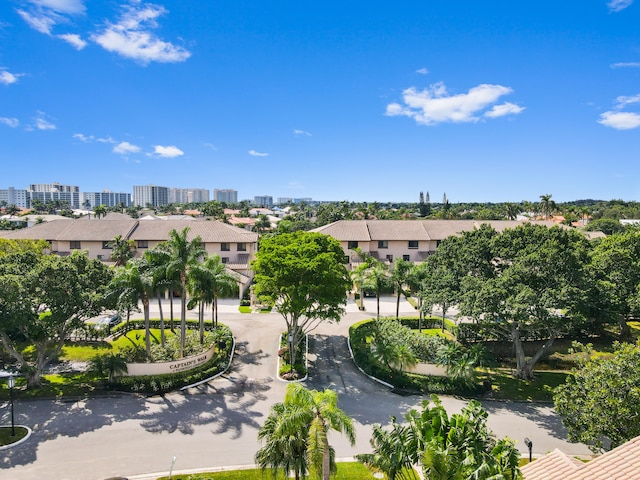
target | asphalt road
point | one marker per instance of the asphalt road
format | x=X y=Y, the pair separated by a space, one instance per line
x=216 y=424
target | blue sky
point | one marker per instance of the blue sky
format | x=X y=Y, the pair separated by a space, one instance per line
x=484 y=101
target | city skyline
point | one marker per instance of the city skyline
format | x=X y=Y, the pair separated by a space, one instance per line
x=489 y=103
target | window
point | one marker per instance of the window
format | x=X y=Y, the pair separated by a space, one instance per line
x=390 y=258
x=438 y=243
x=406 y=258
x=106 y=245
x=383 y=244
x=242 y=247
x=346 y=259
x=413 y=244
x=351 y=244
x=74 y=245
x=225 y=259
x=142 y=244
x=100 y=257
x=225 y=246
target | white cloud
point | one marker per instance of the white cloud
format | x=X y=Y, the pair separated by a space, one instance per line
x=258 y=154
x=620 y=120
x=433 y=105
x=618 y=5
x=210 y=146
x=506 y=108
x=62 y=6
x=623 y=101
x=41 y=122
x=125 y=147
x=74 y=40
x=422 y=71
x=83 y=138
x=132 y=36
x=40 y=21
x=106 y=140
x=10 y=122
x=169 y=151
x=625 y=65
x=301 y=133
x=8 y=78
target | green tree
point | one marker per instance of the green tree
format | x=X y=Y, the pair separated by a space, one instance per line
x=285 y=443
x=546 y=206
x=135 y=280
x=183 y=255
x=602 y=398
x=100 y=211
x=44 y=299
x=122 y=250
x=318 y=413
x=109 y=365
x=400 y=272
x=615 y=263
x=304 y=275
x=608 y=226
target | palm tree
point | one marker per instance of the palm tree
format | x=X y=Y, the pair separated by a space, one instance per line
x=262 y=224
x=111 y=365
x=547 y=206
x=285 y=444
x=183 y=255
x=135 y=279
x=122 y=250
x=391 y=452
x=319 y=412
x=399 y=273
x=100 y=211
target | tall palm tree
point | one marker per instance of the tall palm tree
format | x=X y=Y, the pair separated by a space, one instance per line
x=122 y=250
x=285 y=444
x=547 y=206
x=135 y=279
x=100 y=211
x=319 y=412
x=399 y=273
x=183 y=255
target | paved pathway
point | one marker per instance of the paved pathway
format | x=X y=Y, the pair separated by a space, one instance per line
x=216 y=424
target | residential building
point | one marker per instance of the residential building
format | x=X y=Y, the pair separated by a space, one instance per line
x=188 y=195
x=235 y=246
x=108 y=199
x=150 y=195
x=12 y=196
x=620 y=463
x=226 y=195
x=263 y=201
x=410 y=240
x=53 y=187
x=70 y=197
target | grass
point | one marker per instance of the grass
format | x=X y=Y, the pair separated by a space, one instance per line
x=507 y=387
x=346 y=471
x=7 y=439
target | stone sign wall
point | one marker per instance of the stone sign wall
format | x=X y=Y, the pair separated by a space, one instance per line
x=161 y=368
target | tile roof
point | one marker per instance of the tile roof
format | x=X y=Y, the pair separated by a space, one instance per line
x=371 y=230
x=98 y=230
x=621 y=463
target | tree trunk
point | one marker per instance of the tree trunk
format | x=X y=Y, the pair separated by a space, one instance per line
x=625 y=331
x=147 y=330
x=420 y=314
x=326 y=461
x=201 y=320
x=398 y=304
x=171 y=325
x=524 y=367
x=183 y=314
x=162 y=336
x=378 y=304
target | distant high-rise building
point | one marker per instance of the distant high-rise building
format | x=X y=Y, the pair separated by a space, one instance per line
x=226 y=195
x=263 y=201
x=53 y=187
x=106 y=198
x=283 y=200
x=17 y=197
x=151 y=195
x=188 y=195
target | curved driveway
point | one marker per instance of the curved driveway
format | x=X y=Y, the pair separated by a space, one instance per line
x=216 y=424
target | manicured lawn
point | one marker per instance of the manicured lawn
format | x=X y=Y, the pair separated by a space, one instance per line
x=506 y=387
x=7 y=439
x=346 y=471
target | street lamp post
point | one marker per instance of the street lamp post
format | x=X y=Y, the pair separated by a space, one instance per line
x=529 y=445
x=11 y=382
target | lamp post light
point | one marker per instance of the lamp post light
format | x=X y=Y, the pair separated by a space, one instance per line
x=11 y=382
x=529 y=445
